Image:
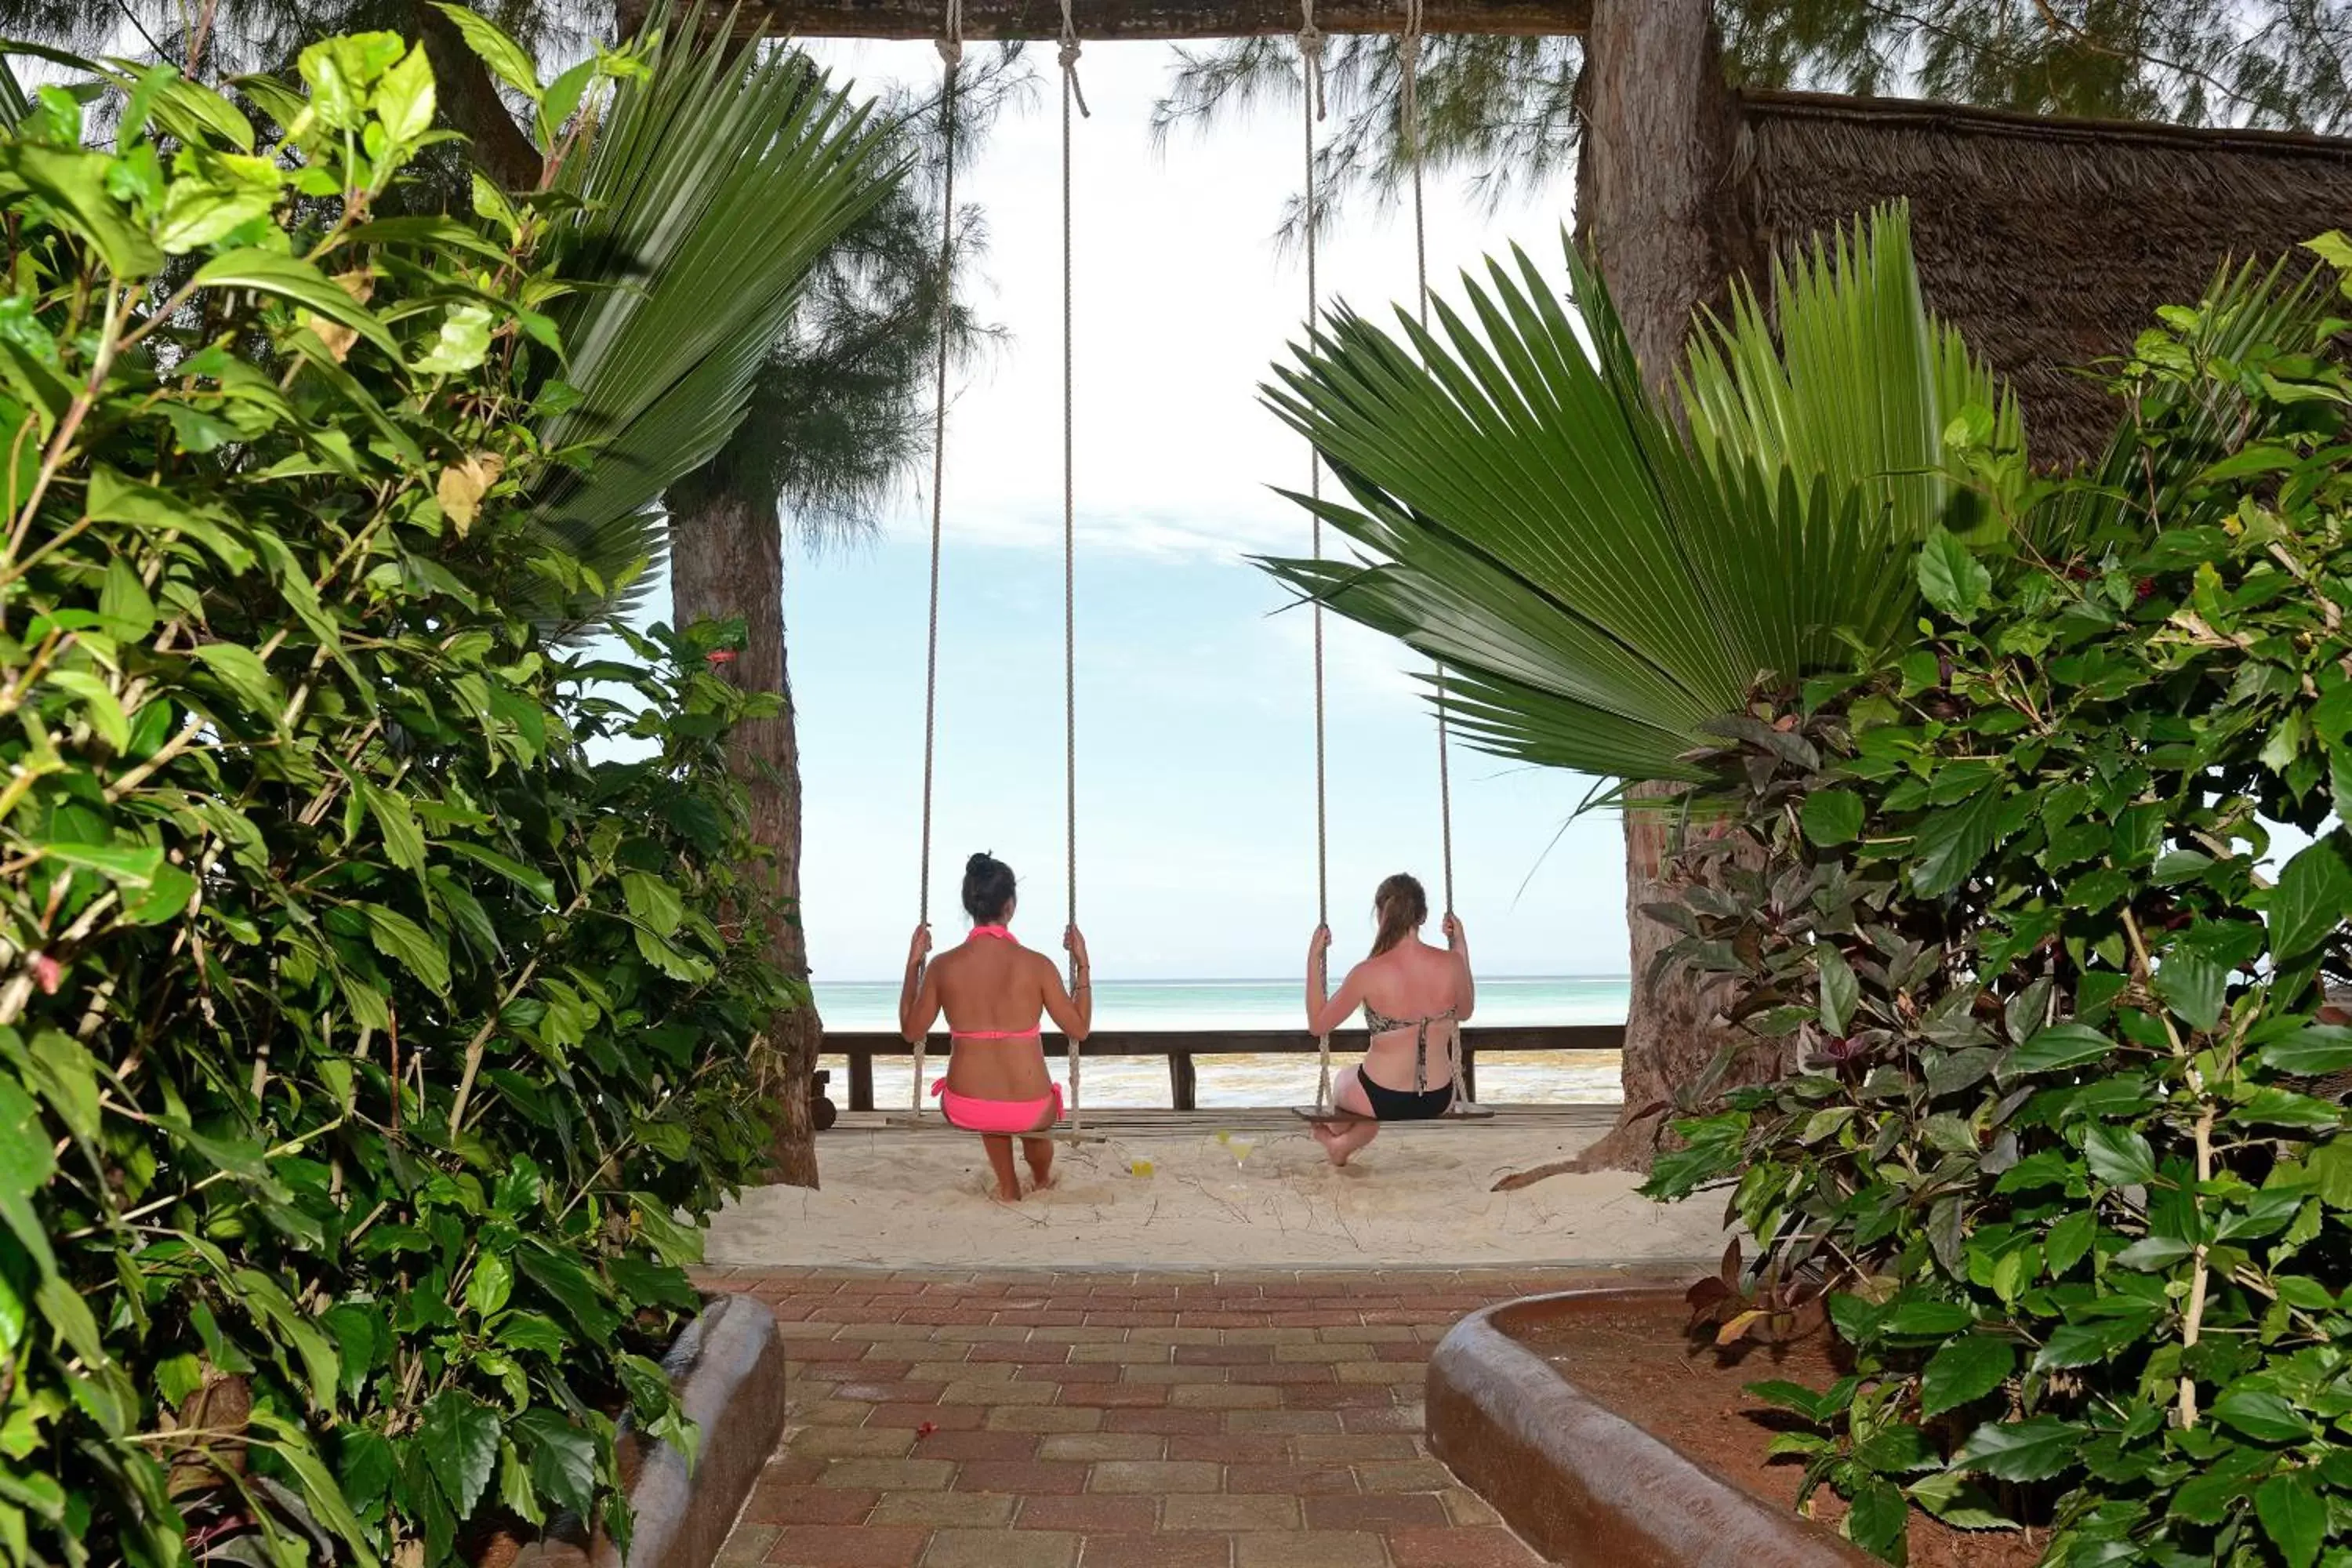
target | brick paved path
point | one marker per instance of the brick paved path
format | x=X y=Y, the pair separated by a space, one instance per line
x=1116 y=1420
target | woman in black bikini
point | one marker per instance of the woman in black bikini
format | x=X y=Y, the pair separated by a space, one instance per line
x=1415 y=999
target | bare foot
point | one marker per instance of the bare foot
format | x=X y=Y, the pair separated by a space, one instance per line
x=1006 y=1195
x=1327 y=1136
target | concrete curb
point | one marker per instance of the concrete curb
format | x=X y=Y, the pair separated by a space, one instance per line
x=1582 y=1485
x=728 y=1367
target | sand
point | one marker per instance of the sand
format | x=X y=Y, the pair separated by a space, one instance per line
x=1418 y=1195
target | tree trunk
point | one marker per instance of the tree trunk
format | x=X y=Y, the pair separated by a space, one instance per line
x=470 y=104
x=1654 y=208
x=1670 y=1038
x=727 y=559
x=1654 y=202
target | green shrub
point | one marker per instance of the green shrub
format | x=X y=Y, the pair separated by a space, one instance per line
x=2067 y=1161
x=366 y=1024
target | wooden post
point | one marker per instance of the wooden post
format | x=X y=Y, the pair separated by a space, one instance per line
x=1182 y=1088
x=861 y=1080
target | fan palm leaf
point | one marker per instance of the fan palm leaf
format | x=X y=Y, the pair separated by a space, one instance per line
x=706 y=196
x=1598 y=580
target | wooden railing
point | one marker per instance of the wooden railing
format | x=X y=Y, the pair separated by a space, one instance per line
x=1180 y=1046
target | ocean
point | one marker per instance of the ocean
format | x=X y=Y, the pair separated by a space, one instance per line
x=1548 y=1078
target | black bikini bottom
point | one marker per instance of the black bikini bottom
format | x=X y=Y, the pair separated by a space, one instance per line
x=1403 y=1104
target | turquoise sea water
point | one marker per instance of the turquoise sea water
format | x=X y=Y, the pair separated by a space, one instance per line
x=1252 y=1003
x=1548 y=1077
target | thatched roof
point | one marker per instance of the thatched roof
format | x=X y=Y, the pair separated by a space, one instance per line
x=2049 y=242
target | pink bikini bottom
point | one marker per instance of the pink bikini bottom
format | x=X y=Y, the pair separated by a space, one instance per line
x=1004 y=1117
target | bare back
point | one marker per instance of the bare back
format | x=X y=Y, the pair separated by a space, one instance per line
x=1411 y=982
x=995 y=987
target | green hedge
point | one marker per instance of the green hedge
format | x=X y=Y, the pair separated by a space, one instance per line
x=2066 y=1158
x=369 y=1005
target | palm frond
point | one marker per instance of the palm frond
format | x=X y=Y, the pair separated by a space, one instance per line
x=707 y=193
x=14 y=107
x=1599 y=583
x=1822 y=427
x=1856 y=384
x=841 y=415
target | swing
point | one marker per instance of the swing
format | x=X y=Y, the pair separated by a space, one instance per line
x=950 y=48
x=1324 y=1112
x=1310 y=44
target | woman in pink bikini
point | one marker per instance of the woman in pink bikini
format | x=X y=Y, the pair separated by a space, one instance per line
x=992 y=990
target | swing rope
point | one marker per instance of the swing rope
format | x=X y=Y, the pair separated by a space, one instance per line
x=1409 y=123
x=950 y=48
x=1409 y=118
x=1070 y=94
x=1409 y=65
x=1311 y=106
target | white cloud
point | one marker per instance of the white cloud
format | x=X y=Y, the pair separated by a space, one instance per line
x=1360 y=668
x=1182 y=304
x=1154 y=532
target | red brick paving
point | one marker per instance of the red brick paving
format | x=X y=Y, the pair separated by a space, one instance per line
x=1188 y=1419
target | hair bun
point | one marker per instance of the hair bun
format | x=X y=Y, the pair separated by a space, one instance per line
x=988 y=887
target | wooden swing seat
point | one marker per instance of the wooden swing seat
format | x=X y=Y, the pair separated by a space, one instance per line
x=935 y=1122
x=1349 y=1117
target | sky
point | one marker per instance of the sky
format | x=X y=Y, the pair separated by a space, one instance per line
x=1195 y=760
x=1196 y=807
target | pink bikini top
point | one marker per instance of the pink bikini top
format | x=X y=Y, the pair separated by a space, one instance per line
x=996 y=933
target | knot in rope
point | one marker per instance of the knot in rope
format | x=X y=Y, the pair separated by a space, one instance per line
x=951 y=41
x=1310 y=56
x=1067 y=56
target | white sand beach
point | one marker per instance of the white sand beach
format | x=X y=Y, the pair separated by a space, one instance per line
x=1263 y=1196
